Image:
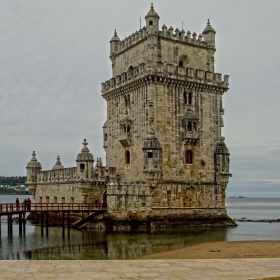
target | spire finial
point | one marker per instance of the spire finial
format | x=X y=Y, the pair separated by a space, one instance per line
x=85 y=142
x=58 y=158
x=208 y=23
x=152 y=7
x=115 y=33
x=33 y=154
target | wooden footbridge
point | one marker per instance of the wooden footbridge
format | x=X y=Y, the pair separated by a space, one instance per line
x=11 y=209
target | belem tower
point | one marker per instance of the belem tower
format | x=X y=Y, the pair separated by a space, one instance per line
x=166 y=160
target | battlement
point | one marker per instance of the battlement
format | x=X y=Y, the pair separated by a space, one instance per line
x=165 y=71
x=142 y=34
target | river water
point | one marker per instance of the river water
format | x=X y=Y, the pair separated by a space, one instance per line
x=96 y=244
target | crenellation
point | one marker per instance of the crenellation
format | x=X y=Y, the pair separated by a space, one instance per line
x=166 y=158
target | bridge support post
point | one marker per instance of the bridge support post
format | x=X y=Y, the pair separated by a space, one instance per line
x=68 y=224
x=47 y=224
x=42 y=223
x=63 y=229
x=10 y=225
x=23 y=221
x=20 y=224
x=0 y=225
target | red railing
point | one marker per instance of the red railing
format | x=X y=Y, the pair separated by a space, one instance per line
x=13 y=207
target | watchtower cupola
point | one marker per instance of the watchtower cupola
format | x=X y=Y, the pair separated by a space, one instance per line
x=209 y=35
x=114 y=43
x=84 y=162
x=152 y=21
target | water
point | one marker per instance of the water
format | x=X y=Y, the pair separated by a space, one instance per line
x=94 y=244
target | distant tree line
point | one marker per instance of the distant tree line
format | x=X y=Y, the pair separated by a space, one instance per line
x=13 y=180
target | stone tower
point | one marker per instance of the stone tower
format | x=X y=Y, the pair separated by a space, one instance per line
x=164 y=117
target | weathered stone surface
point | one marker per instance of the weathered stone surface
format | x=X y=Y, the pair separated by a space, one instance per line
x=165 y=156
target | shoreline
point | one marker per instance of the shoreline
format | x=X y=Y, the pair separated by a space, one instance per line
x=222 y=250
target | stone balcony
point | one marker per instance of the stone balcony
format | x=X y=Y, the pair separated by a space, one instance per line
x=125 y=139
x=190 y=137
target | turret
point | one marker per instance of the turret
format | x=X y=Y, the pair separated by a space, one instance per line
x=114 y=43
x=32 y=168
x=85 y=162
x=209 y=37
x=152 y=21
x=58 y=164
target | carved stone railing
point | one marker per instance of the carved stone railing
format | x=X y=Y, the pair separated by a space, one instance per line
x=191 y=136
x=125 y=139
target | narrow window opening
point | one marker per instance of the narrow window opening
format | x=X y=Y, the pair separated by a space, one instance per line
x=180 y=63
x=194 y=126
x=189 y=126
x=63 y=199
x=55 y=199
x=150 y=22
x=47 y=199
x=127 y=157
x=185 y=98
x=82 y=166
x=128 y=129
x=105 y=137
x=150 y=155
x=189 y=98
x=188 y=157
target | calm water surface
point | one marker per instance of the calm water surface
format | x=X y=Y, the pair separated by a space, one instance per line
x=93 y=244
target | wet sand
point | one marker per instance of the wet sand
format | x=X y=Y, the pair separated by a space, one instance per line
x=223 y=250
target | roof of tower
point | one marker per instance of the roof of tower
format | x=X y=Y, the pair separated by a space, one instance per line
x=85 y=155
x=33 y=162
x=152 y=12
x=151 y=142
x=221 y=147
x=208 y=28
x=115 y=37
x=58 y=164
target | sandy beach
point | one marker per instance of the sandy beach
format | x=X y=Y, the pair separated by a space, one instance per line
x=223 y=250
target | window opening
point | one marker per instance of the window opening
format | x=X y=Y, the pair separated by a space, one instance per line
x=82 y=166
x=180 y=63
x=185 y=98
x=150 y=155
x=105 y=137
x=128 y=129
x=189 y=126
x=188 y=157
x=127 y=157
x=150 y=22
x=189 y=99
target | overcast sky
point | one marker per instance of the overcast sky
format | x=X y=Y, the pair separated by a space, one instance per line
x=55 y=54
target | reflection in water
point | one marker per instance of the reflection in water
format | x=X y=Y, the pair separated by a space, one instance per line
x=100 y=245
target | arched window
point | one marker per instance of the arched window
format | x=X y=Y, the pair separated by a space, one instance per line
x=82 y=166
x=127 y=157
x=189 y=126
x=188 y=157
x=185 y=98
x=189 y=98
x=180 y=63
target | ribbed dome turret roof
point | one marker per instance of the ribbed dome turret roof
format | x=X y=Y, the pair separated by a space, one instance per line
x=33 y=163
x=58 y=164
x=85 y=155
x=152 y=13
x=151 y=142
x=208 y=28
x=115 y=37
x=222 y=148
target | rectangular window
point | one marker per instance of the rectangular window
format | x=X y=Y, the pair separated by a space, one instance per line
x=150 y=155
x=55 y=199
x=72 y=199
x=40 y=199
x=63 y=199
x=47 y=199
x=151 y=22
